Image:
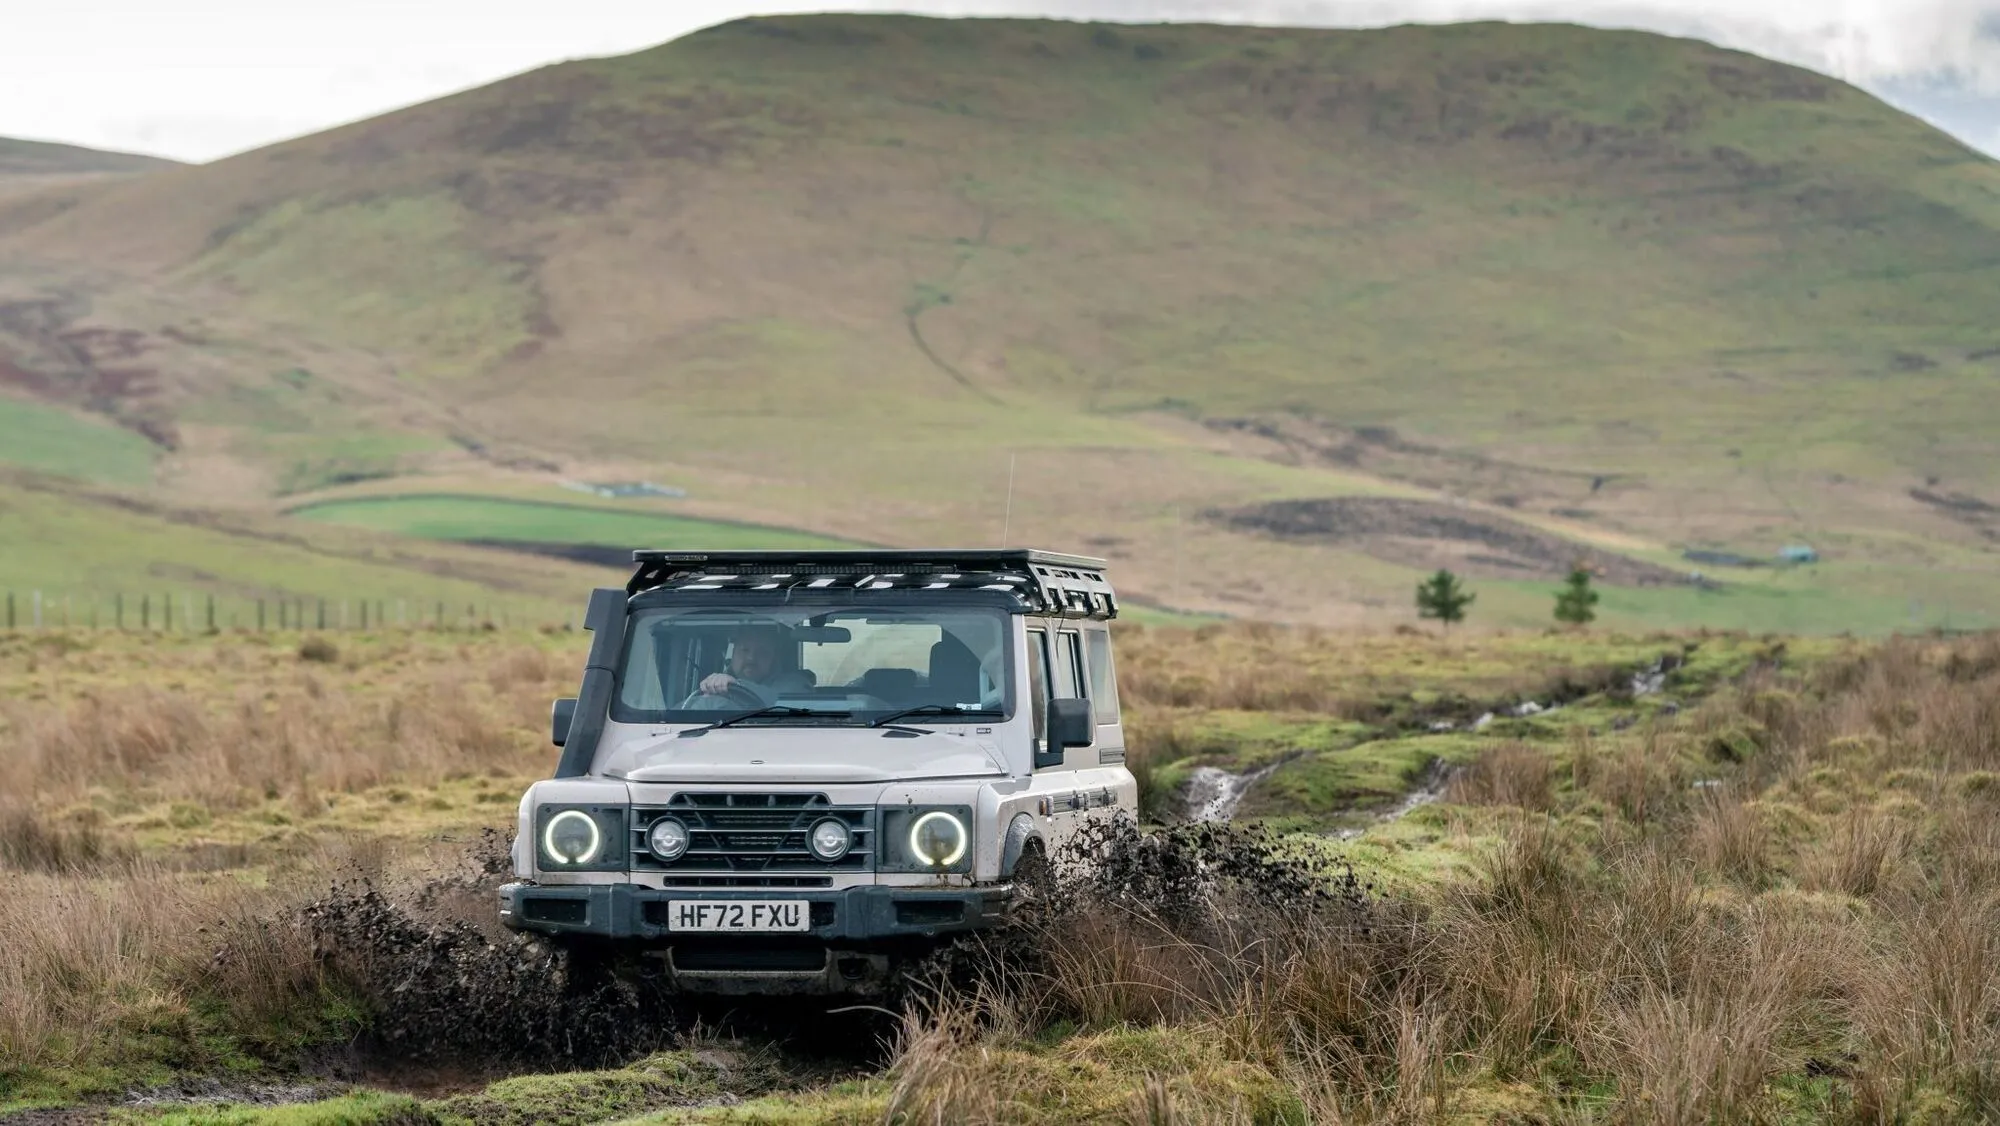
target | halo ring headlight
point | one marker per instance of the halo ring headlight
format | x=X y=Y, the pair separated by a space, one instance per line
x=830 y=839
x=668 y=838
x=938 y=839
x=572 y=837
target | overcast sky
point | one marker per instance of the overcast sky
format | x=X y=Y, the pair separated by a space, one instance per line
x=199 y=79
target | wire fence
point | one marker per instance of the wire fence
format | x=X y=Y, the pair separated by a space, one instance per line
x=185 y=612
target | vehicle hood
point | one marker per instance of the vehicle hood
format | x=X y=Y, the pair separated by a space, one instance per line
x=817 y=754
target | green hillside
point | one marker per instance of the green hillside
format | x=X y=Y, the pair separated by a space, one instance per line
x=1563 y=291
x=40 y=437
x=84 y=550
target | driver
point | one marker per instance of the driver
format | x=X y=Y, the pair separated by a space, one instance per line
x=757 y=667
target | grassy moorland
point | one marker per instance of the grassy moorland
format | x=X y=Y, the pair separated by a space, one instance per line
x=1761 y=884
x=1604 y=292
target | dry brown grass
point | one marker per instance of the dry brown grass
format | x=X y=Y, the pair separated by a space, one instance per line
x=1511 y=773
x=238 y=722
x=1730 y=837
x=108 y=968
x=1824 y=904
x=1828 y=906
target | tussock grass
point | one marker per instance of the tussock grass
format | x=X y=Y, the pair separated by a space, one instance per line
x=1807 y=935
x=1780 y=904
x=229 y=723
x=145 y=966
x=1509 y=774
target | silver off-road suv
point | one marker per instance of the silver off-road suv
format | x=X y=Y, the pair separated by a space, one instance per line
x=785 y=770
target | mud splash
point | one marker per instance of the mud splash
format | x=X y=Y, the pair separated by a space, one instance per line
x=445 y=991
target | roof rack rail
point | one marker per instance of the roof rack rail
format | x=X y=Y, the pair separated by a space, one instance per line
x=1051 y=582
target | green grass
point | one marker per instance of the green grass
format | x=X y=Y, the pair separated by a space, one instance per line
x=33 y=436
x=445 y=517
x=364 y=1108
x=83 y=551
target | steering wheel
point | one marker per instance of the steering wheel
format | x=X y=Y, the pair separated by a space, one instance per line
x=736 y=693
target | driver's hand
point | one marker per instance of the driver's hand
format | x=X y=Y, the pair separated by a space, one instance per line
x=717 y=683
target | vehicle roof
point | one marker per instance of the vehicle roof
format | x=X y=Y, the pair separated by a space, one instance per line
x=1052 y=582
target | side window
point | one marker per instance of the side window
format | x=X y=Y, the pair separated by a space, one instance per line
x=1038 y=680
x=1103 y=682
x=1069 y=666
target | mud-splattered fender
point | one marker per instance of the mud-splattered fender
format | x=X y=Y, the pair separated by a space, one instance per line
x=1020 y=831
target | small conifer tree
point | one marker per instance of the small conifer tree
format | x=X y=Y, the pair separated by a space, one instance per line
x=1575 y=601
x=1442 y=597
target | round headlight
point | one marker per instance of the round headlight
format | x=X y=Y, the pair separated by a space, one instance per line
x=938 y=839
x=572 y=837
x=667 y=838
x=830 y=840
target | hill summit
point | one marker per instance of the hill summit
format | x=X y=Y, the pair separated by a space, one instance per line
x=1493 y=296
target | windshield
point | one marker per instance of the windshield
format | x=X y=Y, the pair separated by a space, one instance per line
x=813 y=665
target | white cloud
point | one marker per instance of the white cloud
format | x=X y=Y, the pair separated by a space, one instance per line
x=200 y=78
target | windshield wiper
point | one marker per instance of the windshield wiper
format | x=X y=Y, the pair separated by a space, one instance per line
x=932 y=709
x=772 y=710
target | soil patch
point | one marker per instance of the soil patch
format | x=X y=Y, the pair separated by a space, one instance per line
x=1981 y=516
x=1297 y=439
x=1427 y=535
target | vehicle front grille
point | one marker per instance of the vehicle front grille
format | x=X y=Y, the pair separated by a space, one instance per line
x=753 y=834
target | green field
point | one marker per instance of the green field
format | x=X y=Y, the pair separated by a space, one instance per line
x=86 y=554
x=49 y=440
x=448 y=517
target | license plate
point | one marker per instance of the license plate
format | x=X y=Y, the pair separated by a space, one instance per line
x=779 y=915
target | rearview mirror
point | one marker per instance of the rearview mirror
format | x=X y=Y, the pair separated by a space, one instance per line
x=561 y=715
x=822 y=634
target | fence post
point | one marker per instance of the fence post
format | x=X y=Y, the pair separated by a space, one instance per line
x=65 y=611
x=120 y=597
x=211 y=612
x=440 y=614
x=38 y=609
x=166 y=613
x=260 y=615
x=322 y=613
x=10 y=609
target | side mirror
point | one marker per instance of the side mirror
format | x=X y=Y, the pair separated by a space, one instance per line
x=561 y=716
x=1070 y=724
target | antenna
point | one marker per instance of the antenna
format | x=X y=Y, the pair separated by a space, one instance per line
x=1007 y=525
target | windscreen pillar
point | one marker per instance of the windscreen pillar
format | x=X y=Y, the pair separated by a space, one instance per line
x=605 y=619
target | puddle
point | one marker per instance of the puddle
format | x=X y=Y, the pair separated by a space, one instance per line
x=1429 y=788
x=1213 y=793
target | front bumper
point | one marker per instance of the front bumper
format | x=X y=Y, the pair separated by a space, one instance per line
x=871 y=913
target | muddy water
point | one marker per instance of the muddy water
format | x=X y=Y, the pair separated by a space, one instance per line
x=1213 y=793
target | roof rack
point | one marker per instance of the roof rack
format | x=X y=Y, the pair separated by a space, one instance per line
x=1067 y=585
